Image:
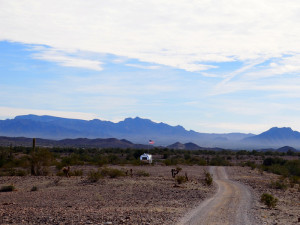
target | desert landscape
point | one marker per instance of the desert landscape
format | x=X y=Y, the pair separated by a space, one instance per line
x=150 y=195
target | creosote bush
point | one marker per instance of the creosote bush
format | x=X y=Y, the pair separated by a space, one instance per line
x=208 y=179
x=34 y=188
x=76 y=173
x=7 y=188
x=112 y=173
x=94 y=176
x=269 y=200
x=279 y=184
x=142 y=173
x=180 y=179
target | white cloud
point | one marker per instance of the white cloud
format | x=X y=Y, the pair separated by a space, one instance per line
x=181 y=34
x=61 y=57
x=142 y=66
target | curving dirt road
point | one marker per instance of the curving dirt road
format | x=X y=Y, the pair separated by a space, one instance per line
x=230 y=205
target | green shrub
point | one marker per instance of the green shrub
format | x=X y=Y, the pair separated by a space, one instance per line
x=76 y=173
x=7 y=188
x=34 y=188
x=269 y=200
x=94 y=176
x=219 y=161
x=279 y=184
x=60 y=173
x=208 y=179
x=142 y=173
x=251 y=164
x=294 y=180
x=180 y=179
x=112 y=173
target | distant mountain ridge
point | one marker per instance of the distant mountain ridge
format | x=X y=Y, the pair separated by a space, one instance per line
x=275 y=137
x=138 y=130
x=76 y=143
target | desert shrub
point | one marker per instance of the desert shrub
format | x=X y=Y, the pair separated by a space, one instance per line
x=270 y=161
x=142 y=173
x=7 y=188
x=60 y=173
x=278 y=169
x=40 y=160
x=111 y=172
x=196 y=160
x=76 y=173
x=279 y=184
x=73 y=159
x=219 y=161
x=169 y=162
x=251 y=164
x=14 y=172
x=178 y=169
x=293 y=167
x=34 y=188
x=208 y=179
x=94 y=176
x=180 y=179
x=294 y=180
x=269 y=200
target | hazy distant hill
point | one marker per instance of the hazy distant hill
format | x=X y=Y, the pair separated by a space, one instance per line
x=190 y=146
x=274 y=138
x=136 y=130
x=77 y=143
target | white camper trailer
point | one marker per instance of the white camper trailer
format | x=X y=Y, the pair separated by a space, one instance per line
x=146 y=158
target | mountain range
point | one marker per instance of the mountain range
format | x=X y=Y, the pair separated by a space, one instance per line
x=138 y=130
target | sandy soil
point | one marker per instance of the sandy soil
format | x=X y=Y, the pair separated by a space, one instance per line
x=287 y=210
x=125 y=200
x=230 y=205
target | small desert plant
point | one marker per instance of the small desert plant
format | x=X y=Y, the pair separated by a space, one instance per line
x=142 y=173
x=112 y=173
x=60 y=173
x=269 y=200
x=94 y=176
x=178 y=168
x=208 y=178
x=76 y=173
x=34 y=188
x=14 y=172
x=7 y=188
x=279 y=184
x=180 y=179
x=294 y=180
x=56 y=181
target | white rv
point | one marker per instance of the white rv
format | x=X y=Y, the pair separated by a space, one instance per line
x=146 y=158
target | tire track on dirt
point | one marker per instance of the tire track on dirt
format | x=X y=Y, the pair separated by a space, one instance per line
x=229 y=206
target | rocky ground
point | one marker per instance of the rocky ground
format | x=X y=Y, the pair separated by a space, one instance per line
x=123 y=200
x=287 y=210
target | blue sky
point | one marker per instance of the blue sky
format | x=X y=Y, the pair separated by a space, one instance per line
x=210 y=67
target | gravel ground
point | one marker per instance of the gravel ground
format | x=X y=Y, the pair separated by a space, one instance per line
x=287 y=210
x=124 y=200
x=231 y=205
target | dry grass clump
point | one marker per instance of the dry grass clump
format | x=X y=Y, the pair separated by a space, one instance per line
x=94 y=176
x=208 y=179
x=142 y=173
x=269 y=200
x=7 y=188
x=34 y=188
x=111 y=172
x=181 y=179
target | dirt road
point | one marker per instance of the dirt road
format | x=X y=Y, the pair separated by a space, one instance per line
x=230 y=205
